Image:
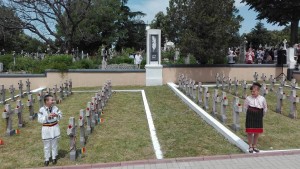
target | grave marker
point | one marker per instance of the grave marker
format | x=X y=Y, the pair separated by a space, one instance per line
x=194 y=87
x=2 y=94
x=294 y=84
x=237 y=109
x=236 y=85
x=282 y=81
x=19 y=112
x=206 y=98
x=21 y=89
x=61 y=92
x=216 y=100
x=54 y=91
x=263 y=77
x=12 y=92
x=88 y=114
x=224 y=104
x=70 y=87
x=28 y=86
x=244 y=84
x=71 y=132
x=280 y=97
x=40 y=98
x=294 y=99
x=255 y=76
x=81 y=122
x=264 y=90
x=217 y=80
x=200 y=91
x=8 y=115
x=66 y=88
x=272 y=82
x=30 y=103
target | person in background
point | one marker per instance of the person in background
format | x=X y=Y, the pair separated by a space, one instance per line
x=49 y=115
x=256 y=107
x=250 y=56
x=138 y=59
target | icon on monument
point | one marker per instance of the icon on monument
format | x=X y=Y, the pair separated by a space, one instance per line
x=154 y=48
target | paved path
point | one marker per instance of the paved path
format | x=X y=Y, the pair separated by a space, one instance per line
x=270 y=160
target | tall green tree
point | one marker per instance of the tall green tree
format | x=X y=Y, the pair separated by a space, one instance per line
x=259 y=35
x=204 y=29
x=280 y=12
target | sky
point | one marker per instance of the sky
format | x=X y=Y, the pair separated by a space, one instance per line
x=152 y=7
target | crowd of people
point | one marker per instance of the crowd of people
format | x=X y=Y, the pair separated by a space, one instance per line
x=261 y=55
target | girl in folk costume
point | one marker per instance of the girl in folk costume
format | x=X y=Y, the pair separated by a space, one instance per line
x=256 y=107
x=250 y=56
x=49 y=115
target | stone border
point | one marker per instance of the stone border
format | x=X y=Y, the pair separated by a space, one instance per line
x=229 y=135
x=175 y=160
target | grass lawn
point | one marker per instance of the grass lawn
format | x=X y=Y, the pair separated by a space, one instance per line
x=280 y=131
x=123 y=136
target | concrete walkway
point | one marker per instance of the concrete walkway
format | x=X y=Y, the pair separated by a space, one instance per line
x=268 y=160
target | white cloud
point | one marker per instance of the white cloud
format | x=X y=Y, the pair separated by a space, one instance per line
x=149 y=7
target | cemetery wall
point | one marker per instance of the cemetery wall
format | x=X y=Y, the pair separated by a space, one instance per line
x=80 y=78
x=207 y=73
x=296 y=75
x=95 y=77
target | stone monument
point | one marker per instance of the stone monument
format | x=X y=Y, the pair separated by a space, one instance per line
x=153 y=66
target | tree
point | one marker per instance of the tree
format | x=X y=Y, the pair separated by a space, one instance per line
x=259 y=35
x=280 y=12
x=40 y=17
x=204 y=29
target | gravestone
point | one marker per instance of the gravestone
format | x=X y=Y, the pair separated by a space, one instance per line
x=294 y=84
x=237 y=109
x=218 y=79
x=19 y=112
x=54 y=92
x=216 y=100
x=71 y=132
x=109 y=85
x=236 y=85
x=30 y=103
x=12 y=93
x=2 y=94
x=189 y=88
x=8 y=116
x=88 y=114
x=95 y=115
x=20 y=84
x=48 y=91
x=224 y=104
x=61 y=92
x=229 y=83
x=200 y=91
x=223 y=81
x=206 y=98
x=81 y=122
x=282 y=81
x=66 y=88
x=194 y=87
x=272 y=82
x=28 y=86
x=255 y=76
x=263 y=77
x=180 y=81
x=280 y=97
x=40 y=98
x=70 y=87
x=294 y=99
x=264 y=90
x=244 y=84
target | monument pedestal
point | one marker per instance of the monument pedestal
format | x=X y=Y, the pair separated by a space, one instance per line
x=154 y=75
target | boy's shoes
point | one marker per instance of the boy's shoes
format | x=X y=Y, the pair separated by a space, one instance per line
x=54 y=161
x=46 y=163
